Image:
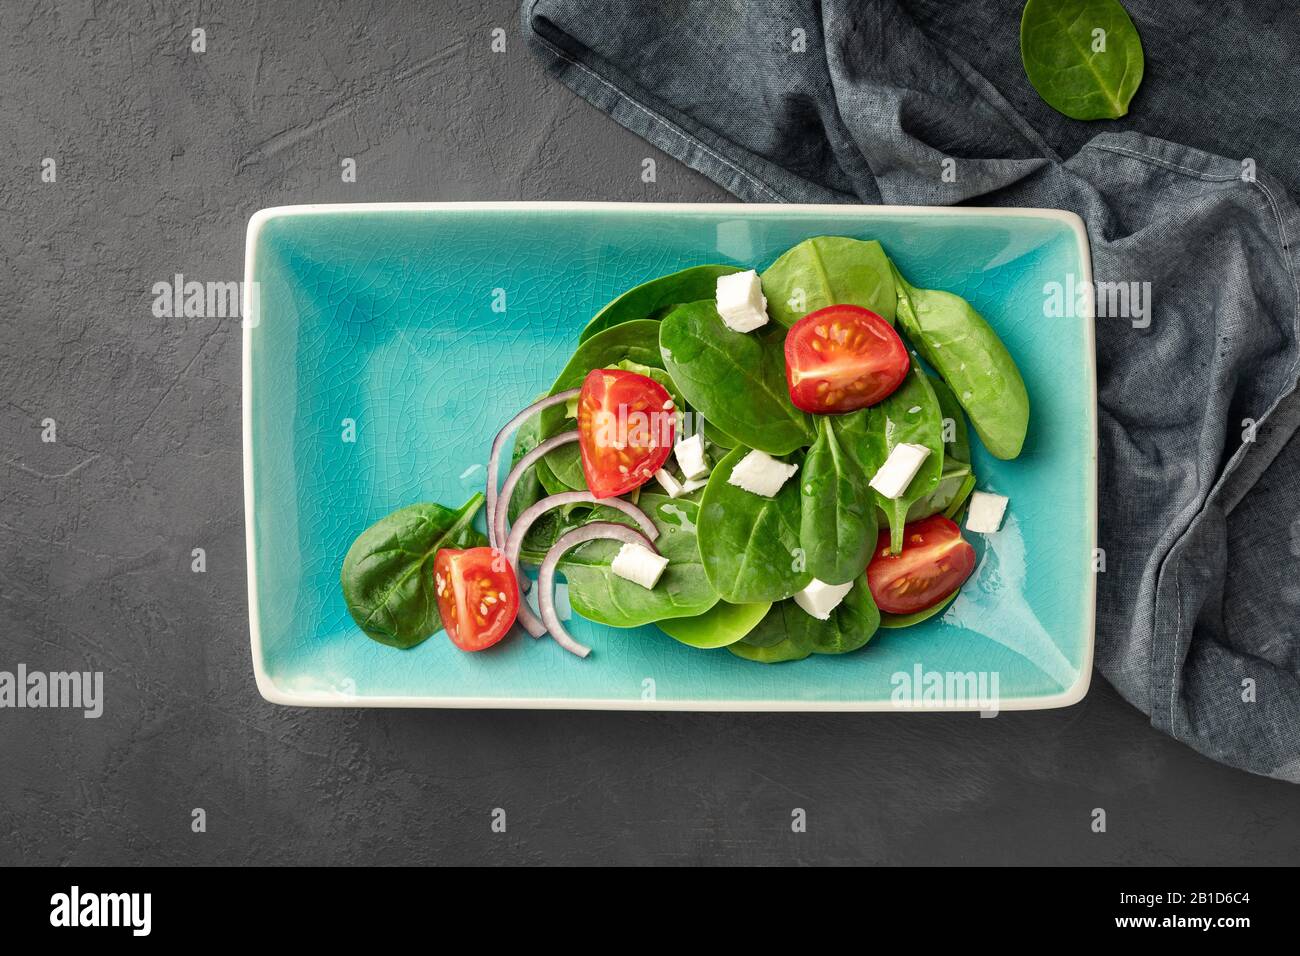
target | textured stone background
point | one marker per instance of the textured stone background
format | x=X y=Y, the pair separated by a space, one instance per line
x=162 y=156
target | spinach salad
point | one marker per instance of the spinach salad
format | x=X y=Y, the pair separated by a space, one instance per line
x=775 y=464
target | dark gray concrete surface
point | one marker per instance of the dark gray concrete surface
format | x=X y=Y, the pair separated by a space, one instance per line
x=162 y=154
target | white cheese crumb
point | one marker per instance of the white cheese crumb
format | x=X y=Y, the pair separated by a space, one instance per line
x=670 y=484
x=638 y=564
x=819 y=598
x=986 y=511
x=899 y=469
x=741 y=302
x=761 y=474
x=690 y=457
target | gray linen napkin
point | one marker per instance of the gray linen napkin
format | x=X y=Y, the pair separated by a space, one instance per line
x=863 y=100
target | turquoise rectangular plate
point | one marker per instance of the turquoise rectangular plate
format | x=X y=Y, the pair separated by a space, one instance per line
x=377 y=323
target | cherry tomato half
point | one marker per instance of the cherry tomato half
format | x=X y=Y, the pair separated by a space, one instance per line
x=625 y=430
x=478 y=596
x=842 y=358
x=934 y=562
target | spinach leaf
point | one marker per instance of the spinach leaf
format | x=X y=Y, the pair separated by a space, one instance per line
x=793 y=648
x=750 y=544
x=736 y=381
x=549 y=527
x=716 y=436
x=967 y=353
x=637 y=342
x=553 y=524
x=894 y=621
x=1084 y=57
x=954 y=422
x=948 y=493
x=387 y=575
x=956 y=480
x=958 y=503
x=837 y=527
x=910 y=415
x=554 y=485
x=656 y=298
x=788 y=633
x=530 y=489
x=829 y=270
x=719 y=626
x=600 y=595
x=858 y=433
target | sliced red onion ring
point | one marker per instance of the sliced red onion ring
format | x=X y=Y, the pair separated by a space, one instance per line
x=498 y=443
x=546 y=578
x=497 y=519
x=515 y=542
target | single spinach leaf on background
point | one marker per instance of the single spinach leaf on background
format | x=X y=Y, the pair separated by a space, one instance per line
x=719 y=626
x=973 y=362
x=829 y=270
x=636 y=342
x=656 y=298
x=1084 y=57
x=788 y=633
x=748 y=542
x=894 y=621
x=600 y=595
x=387 y=575
x=911 y=415
x=837 y=526
x=735 y=380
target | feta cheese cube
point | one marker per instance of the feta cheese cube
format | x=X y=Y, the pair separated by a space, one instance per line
x=899 y=469
x=671 y=485
x=638 y=564
x=986 y=511
x=690 y=457
x=761 y=474
x=741 y=302
x=818 y=599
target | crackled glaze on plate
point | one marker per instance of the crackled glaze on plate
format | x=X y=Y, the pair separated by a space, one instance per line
x=383 y=315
